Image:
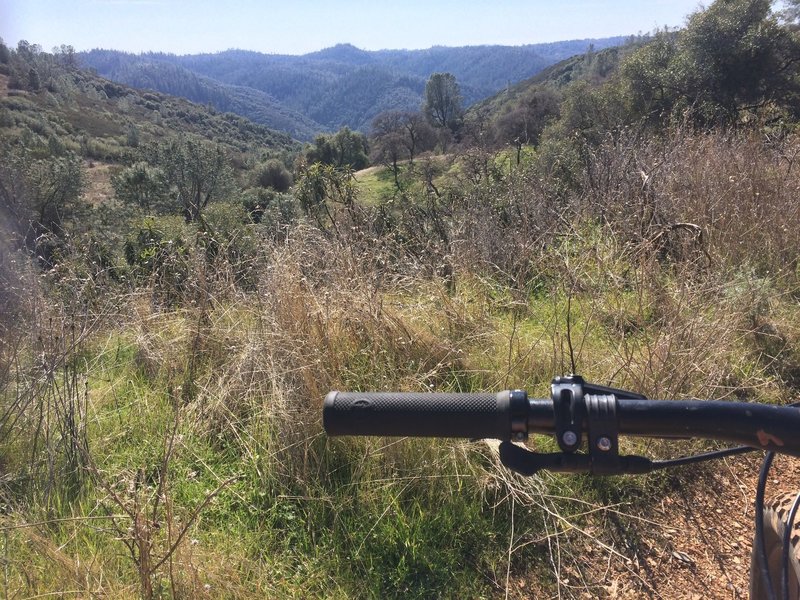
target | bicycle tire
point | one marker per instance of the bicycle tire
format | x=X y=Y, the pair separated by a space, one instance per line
x=776 y=512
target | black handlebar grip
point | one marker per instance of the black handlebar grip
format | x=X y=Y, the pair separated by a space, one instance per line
x=474 y=416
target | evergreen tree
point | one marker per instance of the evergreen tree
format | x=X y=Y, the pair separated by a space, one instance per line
x=5 y=53
x=442 y=103
x=345 y=148
x=733 y=57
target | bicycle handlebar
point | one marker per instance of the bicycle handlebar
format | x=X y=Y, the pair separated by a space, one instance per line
x=577 y=411
x=503 y=416
x=418 y=415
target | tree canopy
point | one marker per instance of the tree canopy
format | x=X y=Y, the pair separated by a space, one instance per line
x=345 y=148
x=442 y=103
x=732 y=57
x=398 y=136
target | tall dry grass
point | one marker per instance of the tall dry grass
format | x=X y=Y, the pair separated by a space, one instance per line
x=670 y=268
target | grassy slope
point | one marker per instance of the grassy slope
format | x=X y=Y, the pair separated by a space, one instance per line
x=592 y=67
x=311 y=517
x=101 y=114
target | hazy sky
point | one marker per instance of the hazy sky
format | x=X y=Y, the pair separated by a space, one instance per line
x=299 y=26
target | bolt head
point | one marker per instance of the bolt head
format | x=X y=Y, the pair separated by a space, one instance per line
x=569 y=438
x=604 y=444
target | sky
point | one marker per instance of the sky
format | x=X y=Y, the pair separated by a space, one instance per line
x=300 y=26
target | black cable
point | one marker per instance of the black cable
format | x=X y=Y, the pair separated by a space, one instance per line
x=690 y=460
x=698 y=458
x=760 y=543
x=787 y=546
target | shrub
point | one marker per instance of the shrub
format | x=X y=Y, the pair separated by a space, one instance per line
x=273 y=174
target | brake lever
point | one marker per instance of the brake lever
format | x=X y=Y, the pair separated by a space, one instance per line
x=526 y=462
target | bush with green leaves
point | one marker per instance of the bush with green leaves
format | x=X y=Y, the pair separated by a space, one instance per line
x=179 y=176
x=273 y=174
x=345 y=148
x=733 y=59
x=276 y=212
x=230 y=245
x=159 y=253
x=143 y=185
x=41 y=195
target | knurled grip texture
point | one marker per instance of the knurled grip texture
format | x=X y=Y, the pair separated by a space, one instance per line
x=420 y=415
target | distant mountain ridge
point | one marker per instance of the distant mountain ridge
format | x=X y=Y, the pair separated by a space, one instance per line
x=334 y=87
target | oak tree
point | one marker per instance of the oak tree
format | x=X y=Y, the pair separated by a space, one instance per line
x=442 y=105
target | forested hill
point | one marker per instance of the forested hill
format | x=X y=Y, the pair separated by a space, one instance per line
x=590 y=67
x=338 y=86
x=175 y=80
x=47 y=101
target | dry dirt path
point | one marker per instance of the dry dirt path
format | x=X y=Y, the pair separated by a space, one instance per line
x=98 y=182
x=694 y=544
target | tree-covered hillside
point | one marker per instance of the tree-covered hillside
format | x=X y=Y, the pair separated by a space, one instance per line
x=324 y=85
x=50 y=89
x=173 y=79
x=72 y=144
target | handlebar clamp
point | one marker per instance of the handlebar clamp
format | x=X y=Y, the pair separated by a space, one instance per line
x=601 y=413
x=569 y=410
x=577 y=405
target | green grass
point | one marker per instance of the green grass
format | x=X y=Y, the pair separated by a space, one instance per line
x=375 y=185
x=272 y=507
x=346 y=519
x=328 y=518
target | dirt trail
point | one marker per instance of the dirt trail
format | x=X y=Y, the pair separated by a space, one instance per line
x=441 y=159
x=98 y=183
x=695 y=544
x=368 y=171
